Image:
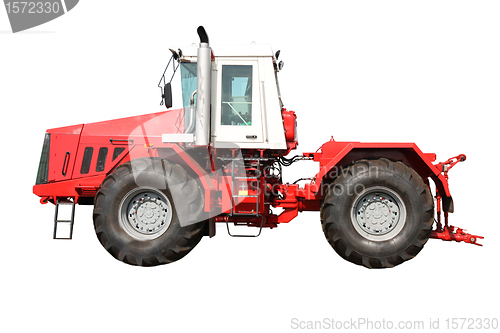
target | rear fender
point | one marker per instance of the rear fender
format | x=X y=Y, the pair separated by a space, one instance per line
x=336 y=156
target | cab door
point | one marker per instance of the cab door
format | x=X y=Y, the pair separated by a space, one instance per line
x=237 y=107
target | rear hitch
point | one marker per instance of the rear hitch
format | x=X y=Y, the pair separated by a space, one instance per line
x=450 y=163
x=449 y=232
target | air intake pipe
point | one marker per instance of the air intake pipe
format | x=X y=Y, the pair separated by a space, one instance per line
x=204 y=70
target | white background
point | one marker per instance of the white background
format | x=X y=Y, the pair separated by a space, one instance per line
x=404 y=71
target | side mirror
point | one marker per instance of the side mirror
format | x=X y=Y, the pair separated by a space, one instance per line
x=281 y=64
x=167 y=95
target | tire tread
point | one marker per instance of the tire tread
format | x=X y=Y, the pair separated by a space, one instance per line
x=335 y=237
x=192 y=234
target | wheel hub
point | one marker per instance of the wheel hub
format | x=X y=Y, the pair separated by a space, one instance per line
x=145 y=213
x=378 y=213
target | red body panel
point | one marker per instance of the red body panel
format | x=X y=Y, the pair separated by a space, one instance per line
x=124 y=139
x=84 y=187
x=333 y=156
x=290 y=126
x=62 y=155
x=139 y=127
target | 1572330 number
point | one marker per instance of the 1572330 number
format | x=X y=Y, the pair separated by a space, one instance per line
x=32 y=7
x=472 y=323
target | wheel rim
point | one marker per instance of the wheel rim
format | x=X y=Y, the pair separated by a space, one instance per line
x=378 y=213
x=145 y=213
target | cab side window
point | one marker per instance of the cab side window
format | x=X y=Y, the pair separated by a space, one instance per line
x=236 y=95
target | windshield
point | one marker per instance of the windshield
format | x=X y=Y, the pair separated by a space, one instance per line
x=188 y=81
x=171 y=97
x=189 y=85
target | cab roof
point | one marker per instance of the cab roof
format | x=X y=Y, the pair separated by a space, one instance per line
x=251 y=50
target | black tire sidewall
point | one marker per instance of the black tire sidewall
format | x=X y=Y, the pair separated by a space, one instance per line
x=398 y=243
x=337 y=210
x=118 y=236
x=171 y=245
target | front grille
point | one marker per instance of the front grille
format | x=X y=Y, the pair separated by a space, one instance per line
x=43 y=168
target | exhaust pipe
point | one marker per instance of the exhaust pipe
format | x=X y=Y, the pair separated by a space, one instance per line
x=204 y=70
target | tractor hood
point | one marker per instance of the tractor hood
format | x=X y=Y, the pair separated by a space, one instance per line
x=140 y=129
x=93 y=149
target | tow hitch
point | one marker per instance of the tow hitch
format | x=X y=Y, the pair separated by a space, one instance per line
x=449 y=232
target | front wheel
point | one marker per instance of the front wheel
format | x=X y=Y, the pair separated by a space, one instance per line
x=378 y=213
x=136 y=218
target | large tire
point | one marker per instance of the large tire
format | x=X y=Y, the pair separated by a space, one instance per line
x=135 y=218
x=377 y=213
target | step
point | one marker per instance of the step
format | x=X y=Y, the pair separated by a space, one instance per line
x=57 y=221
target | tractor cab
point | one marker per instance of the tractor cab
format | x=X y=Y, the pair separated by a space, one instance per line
x=241 y=92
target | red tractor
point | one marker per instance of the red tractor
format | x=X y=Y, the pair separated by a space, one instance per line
x=159 y=182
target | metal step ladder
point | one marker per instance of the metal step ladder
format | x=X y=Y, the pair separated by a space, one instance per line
x=71 y=221
x=250 y=214
x=233 y=177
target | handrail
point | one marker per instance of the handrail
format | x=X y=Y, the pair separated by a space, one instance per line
x=191 y=124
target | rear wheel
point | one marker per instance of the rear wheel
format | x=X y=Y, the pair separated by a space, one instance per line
x=135 y=216
x=378 y=213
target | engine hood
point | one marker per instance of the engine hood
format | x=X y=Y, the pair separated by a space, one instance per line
x=141 y=127
x=65 y=149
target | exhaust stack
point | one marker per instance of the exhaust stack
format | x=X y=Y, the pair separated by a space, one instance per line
x=204 y=69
